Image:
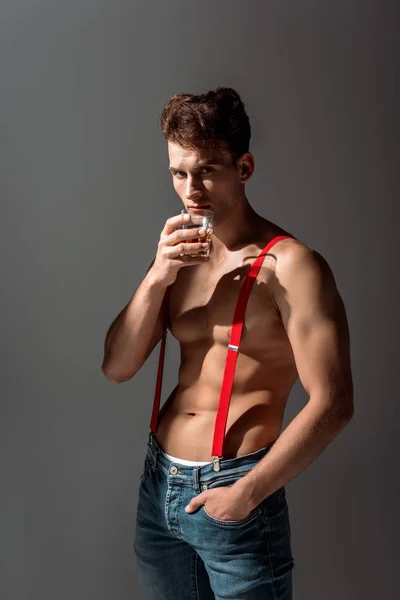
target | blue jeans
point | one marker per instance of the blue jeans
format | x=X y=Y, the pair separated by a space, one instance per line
x=181 y=556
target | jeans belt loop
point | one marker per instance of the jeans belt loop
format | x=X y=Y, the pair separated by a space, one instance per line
x=196 y=480
x=153 y=456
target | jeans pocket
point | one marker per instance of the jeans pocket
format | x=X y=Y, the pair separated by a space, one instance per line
x=250 y=517
x=228 y=480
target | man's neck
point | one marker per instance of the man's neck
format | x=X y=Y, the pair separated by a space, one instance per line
x=237 y=230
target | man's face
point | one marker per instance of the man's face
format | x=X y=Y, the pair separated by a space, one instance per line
x=205 y=180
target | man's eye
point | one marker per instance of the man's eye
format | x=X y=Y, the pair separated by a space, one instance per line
x=180 y=174
x=206 y=170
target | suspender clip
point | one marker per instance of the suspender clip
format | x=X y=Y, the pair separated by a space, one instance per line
x=216 y=463
x=233 y=347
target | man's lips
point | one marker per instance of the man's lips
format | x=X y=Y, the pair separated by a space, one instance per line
x=203 y=206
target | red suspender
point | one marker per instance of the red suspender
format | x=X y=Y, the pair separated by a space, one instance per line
x=157 y=394
x=233 y=351
x=231 y=357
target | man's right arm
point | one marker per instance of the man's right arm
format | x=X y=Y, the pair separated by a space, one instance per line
x=135 y=332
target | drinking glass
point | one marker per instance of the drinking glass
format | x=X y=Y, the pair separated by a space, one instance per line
x=199 y=218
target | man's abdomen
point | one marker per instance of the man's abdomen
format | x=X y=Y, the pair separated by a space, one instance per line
x=186 y=426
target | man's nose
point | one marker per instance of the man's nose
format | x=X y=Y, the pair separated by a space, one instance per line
x=192 y=189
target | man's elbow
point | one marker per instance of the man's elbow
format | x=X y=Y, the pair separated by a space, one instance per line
x=114 y=377
x=334 y=412
x=344 y=418
x=344 y=410
x=346 y=403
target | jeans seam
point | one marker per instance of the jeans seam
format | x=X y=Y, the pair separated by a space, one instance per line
x=145 y=472
x=196 y=577
x=286 y=525
x=265 y=533
x=178 y=512
x=166 y=507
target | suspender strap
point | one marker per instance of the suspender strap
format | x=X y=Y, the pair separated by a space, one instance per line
x=157 y=394
x=233 y=350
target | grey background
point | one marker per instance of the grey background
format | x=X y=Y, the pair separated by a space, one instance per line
x=85 y=193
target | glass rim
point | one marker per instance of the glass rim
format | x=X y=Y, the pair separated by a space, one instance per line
x=204 y=212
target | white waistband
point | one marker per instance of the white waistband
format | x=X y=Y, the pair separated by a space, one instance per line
x=188 y=463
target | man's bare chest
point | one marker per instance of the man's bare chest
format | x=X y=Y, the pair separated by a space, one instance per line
x=202 y=306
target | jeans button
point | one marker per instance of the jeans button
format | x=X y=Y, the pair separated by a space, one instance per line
x=204 y=486
x=173 y=470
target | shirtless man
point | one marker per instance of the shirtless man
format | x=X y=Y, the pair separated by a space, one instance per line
x=219 y=527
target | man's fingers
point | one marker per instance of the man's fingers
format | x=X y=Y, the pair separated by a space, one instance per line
x=182 y=248
x=196 y=502
x=174 y=222
x=185 y=234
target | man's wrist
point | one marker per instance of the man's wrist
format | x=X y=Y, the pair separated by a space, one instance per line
x=246 y=492
x=155 y=283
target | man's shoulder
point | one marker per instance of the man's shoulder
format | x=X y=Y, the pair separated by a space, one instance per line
x=265 y=231
x=282 y=253
x=288 y=253
x=301 y=271
x=293 y=254
x=288 y=250
x=291 y=258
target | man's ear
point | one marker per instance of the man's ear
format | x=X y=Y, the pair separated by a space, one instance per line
x=246 y=167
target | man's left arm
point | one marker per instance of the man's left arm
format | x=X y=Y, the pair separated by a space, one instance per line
x=314 y=317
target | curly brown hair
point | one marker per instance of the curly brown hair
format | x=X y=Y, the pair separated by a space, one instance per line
x=211 y=121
